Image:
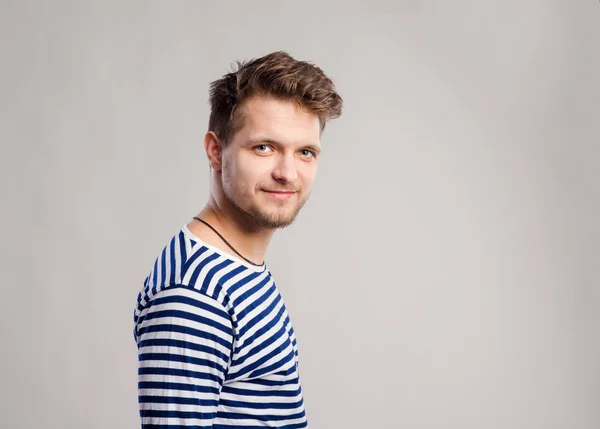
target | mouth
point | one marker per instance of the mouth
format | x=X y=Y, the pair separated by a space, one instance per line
x=279 y=195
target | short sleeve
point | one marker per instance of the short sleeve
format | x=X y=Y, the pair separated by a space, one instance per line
x=184 y=349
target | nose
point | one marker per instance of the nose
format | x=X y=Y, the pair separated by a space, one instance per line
x=285 y=170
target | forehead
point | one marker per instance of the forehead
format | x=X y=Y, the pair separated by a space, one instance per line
x=281 y=120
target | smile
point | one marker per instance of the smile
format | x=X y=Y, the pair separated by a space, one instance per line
x=280 y=195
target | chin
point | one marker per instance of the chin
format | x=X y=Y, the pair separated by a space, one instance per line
x=275 y=219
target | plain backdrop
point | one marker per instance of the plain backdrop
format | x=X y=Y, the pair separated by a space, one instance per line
x=445 y=272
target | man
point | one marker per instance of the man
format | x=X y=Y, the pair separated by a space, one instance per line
x=215 y=343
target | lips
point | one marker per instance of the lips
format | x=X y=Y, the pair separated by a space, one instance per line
x=280 y=195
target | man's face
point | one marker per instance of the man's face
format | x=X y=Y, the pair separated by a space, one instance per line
x=269 y=165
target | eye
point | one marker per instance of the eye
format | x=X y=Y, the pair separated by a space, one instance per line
x=307 y=153
x=262 y=148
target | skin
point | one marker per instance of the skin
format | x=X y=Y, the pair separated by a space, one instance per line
x=262 y=178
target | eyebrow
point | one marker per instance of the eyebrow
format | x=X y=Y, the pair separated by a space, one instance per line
x=259 y=140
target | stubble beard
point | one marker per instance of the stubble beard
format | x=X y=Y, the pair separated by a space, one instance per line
x=254 y=214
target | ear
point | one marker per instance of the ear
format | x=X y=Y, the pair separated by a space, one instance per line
x=214 y=150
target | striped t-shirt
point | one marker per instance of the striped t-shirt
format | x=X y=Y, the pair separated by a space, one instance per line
x=216 y=347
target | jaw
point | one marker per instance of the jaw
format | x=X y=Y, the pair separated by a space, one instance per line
x=274 y=213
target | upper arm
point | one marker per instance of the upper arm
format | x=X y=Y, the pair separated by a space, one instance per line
x=184 y=349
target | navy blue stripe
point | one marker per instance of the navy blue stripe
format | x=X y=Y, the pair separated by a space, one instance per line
x=201 y=265
x=191 y=260
x=180 y=314
x=262 y=418
x=167 y=342
x=184 y=330
x=177 y=400
x=260 y=316
x=276 y=365
x=195 y=255
x=264 y=393
x=170 y=426
x=154 y=279
x=178 y=414
x=243 y=297
x=172 y=261
x=182 y=251
x=211 y=273
x=273 y=353
x=243 y=281
x=176 y=386
x=271 y=383
x=264 y=345
x=175 y=372
x=259 y=301
x=232 y=274
x=220 y=426
x=172 y=357
x=163 y=267
x=262 y=330
x=261 y=405
x=182 y=299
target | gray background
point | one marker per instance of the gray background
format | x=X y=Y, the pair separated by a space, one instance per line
x=445 y=273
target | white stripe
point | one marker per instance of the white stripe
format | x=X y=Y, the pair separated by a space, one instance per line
x=176 y=420
x=263 y=399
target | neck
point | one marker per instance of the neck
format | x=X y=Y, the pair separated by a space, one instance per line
x=251 y=241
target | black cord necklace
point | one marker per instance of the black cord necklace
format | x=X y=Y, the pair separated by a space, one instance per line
x=227 y=243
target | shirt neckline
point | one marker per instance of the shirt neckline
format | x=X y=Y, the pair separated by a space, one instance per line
x=193 y=237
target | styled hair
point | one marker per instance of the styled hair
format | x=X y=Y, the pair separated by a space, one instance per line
x=275 y=75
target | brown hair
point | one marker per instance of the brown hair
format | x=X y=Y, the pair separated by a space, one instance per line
x=276 y=75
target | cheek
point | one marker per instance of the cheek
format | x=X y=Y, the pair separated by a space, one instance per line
x=250 y=172
x=308 y=174
x=234 y=178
